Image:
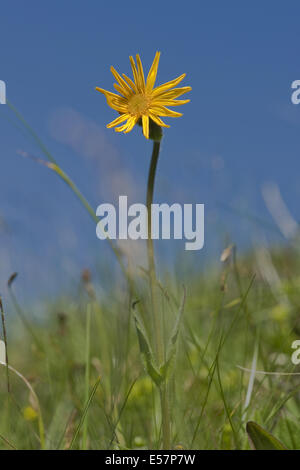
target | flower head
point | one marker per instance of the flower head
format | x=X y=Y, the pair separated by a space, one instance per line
x=139 y=101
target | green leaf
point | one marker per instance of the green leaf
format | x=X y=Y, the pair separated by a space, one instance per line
x=262 y=439
x=84 y=413
x=147 y=354
x=167 y=368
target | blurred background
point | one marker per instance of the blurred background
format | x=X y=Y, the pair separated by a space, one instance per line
x=236 y=149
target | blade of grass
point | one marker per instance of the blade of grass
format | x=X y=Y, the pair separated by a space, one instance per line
x=7 y=442
x=251 y=379
x=212 y=369
x=31 y=132
x=236 y=440
x=37 y=403
x=211 y=376
x=68 y=181
x=87 y=373
x=121 y=411
x=83 y=416
x=241 y=306
x=63 y=175
x=5 y=342
x=21 y=314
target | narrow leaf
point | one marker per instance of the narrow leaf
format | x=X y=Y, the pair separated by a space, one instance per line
x=147 y=354
x=167 y=368
x=2 y=352
x=84 y=413
x=262 y=439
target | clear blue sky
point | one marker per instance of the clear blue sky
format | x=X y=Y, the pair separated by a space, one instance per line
x=239 y=131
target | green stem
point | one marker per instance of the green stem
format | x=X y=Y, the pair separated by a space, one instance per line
x=87 y=374
x=150 y=252
x=157 y=324
x=5 y=344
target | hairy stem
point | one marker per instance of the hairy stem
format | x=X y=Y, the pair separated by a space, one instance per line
x=157 y=324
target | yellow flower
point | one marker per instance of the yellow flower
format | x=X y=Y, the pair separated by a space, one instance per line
x=29 y=413
x=139 y=100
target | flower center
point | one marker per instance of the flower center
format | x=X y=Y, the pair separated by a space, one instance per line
x=138 y=105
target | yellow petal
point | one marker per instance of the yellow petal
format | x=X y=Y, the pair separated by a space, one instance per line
x=152 y=72
x=127 y=126
x=168 y=85
x=117 y=104
x=161 y=102
x=130 y=124
x=140 y=72
x=122 y=91
x=145 y=121
x=130 y=83
x=172 y=94
x=120 y=80
x=163 y=111
x=118 y=120
x=157 y=120
x=121 y=128
x=135 y=74
x=107 y=93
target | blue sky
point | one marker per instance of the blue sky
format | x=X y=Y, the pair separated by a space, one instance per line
x=239 y=132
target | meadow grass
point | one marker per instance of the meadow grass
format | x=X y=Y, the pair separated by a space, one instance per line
x=83 y=362
x=151 y=363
